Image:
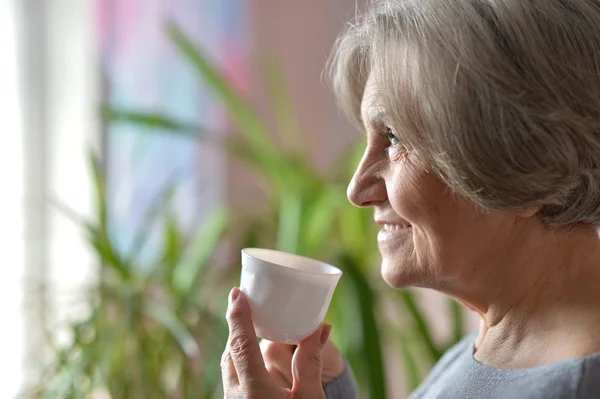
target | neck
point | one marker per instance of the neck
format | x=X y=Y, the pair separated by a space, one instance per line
x=546 y=306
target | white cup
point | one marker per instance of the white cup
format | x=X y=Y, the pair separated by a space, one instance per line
x=289 y=294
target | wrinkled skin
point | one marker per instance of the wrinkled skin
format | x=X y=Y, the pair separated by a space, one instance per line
x=249 y=374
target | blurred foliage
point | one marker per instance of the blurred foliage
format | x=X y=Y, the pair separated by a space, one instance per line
x=152 y=331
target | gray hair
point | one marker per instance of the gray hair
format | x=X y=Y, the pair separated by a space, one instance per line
x=500 y=97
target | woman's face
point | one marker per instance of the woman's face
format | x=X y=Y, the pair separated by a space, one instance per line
x=429 y=236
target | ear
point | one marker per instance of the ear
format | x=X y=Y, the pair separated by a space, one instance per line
x=528 y=212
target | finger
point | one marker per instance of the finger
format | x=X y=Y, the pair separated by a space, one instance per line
x=278 y=356
x=333 y=363
x=307 y=364
x=278 y=360
x=279 y=378
x=227 y=367
x=229 y=376
x=243 y=344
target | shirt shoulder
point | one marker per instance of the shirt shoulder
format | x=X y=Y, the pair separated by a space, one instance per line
x=451 y=362
x=589 y=380
x=458 y=375
x=344 y=387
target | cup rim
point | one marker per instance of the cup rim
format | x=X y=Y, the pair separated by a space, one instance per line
x=336 y=270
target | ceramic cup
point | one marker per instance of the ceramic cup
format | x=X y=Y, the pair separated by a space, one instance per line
x=289 y=294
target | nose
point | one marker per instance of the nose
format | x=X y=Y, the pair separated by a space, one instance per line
x=367 y=187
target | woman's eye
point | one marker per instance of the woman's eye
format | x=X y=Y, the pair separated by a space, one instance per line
x=389 y=134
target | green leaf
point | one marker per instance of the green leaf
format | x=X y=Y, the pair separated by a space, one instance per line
x=62 y=382
x=411 y=366
x=244 y=117
x=107 y=253
x=164 y=124
x=157 y=207
x=225 y=140
x=343 y=314
x=353 y=230
x=99 y=183
x=216 y=336
x=152 y=120
x=254 y=233
x=372 y=350
x=187 y=273
x=257 y=147
x=290 y=222
x=168 y=319
x=97 y=239
x=99 y=236
x=421 y=324
x=272 y=168
x=280 y=102
x=318 y=222
x=173 y=244
x=457 y=315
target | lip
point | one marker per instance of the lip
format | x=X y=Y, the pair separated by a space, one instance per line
x=387 y=224
x=392 y=230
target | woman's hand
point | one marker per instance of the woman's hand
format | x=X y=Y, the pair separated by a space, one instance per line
x=278 y=360
x=243 y=366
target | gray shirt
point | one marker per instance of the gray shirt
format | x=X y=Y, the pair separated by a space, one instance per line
x=459 y=376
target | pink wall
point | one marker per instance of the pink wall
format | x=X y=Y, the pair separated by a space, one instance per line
x=299 y=36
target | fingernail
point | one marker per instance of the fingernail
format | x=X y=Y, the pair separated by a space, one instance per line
x=325 y=331
x=234 y=294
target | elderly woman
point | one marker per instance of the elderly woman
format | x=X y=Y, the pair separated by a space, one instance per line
x=483 y=169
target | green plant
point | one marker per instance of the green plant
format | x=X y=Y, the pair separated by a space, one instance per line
x=151 y=331
x=309 y=215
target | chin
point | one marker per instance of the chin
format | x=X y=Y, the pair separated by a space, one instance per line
x=403 y=274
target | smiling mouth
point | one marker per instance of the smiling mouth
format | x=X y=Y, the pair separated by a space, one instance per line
x=390 y=228
x=393 y=232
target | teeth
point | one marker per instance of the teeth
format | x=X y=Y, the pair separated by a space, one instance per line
x=395 y=227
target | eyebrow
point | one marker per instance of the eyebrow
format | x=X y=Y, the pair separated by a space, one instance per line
x=377 y=117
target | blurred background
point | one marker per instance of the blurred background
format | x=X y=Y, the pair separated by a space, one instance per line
x=146 y=143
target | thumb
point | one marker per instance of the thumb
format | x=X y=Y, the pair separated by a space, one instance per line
x=243 y=344
x=307 y=364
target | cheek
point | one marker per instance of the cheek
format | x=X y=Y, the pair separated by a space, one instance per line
x=416 y=195
x=436 y=214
